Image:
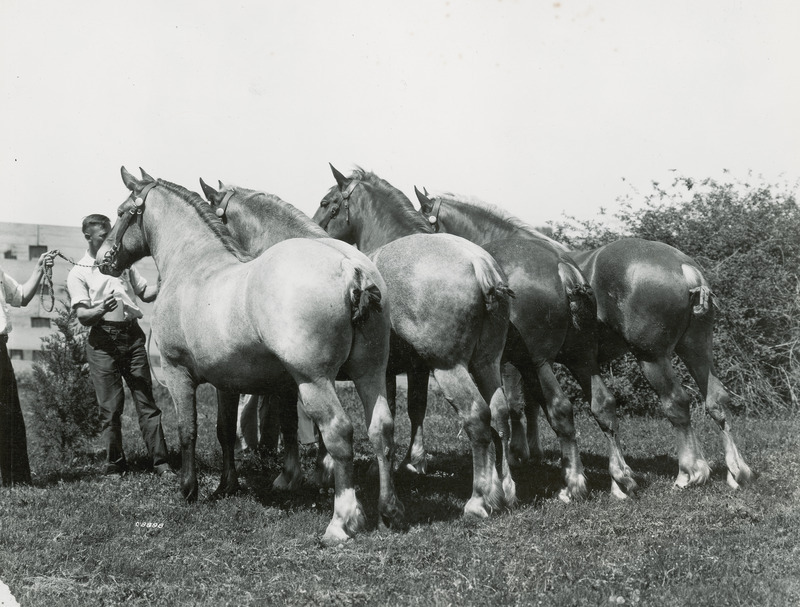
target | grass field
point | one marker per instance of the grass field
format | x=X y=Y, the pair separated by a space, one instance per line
x=83 y=539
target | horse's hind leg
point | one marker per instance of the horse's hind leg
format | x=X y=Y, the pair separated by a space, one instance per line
x=291 y=477
x=558 y=409
x=416 y=459
x=489 y=382
x=227 y=414
x=380 y=428
x=323 y=406
x=460 y=391
x=692 y=466
x=695 y=351
x=604 y=410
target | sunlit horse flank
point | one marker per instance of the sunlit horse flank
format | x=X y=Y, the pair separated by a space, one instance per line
x=553 y=318
x=245 y=325
x=257 y=221
x=653 y=301
x=450 y=310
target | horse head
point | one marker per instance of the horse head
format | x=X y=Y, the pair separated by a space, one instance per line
x=126 y=243
x=328 y=216
x=218 y=199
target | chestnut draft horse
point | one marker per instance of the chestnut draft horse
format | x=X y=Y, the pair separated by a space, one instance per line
x=553 y=319
x=257 y=221
x=294 y=314
x=450 y=310
x=653 y=301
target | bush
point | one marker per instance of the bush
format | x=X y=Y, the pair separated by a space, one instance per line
x=66 y=416
x=745 y=236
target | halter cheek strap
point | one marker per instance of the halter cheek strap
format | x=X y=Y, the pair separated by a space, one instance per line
x=135 y=212
x=222 y=209
x=433 y=218
x=345 y=201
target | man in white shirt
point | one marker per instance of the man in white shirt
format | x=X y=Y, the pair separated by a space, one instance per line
x=116 y=348
x=14 y=465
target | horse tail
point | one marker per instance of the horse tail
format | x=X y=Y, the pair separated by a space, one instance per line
x=492 y=281
x=582 y=304
x=365 y=296
x=700 y=294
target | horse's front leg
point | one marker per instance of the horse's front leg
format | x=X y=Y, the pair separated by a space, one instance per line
x=227 y=410
x=183 y=389
x=416 y=459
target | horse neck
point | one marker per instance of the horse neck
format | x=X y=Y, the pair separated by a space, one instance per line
x=477 y=225
x=177 y=250
x=258 y=222
x=379 y=222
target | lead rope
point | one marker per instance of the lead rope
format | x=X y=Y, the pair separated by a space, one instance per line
x=47 y=279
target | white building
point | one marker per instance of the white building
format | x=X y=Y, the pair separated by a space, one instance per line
x=21 y=244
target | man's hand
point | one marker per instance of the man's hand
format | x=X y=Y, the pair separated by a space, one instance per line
x=109 y=303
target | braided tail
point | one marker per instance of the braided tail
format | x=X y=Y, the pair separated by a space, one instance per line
x=365 y=297
x=582 y=304
x=492 y=282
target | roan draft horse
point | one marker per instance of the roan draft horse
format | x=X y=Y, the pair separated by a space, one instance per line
x=294 y=314
x=553 y=319
x=257 y=221
x=653 y=301
x=450 y=310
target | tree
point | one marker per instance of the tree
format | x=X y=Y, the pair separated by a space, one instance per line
x=65 y=412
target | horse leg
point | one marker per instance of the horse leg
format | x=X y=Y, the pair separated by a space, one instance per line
x=558 y=409
x=692 y=466
x=290 y=478
x=519 y=451
x=604 y=410
x=269 y=421
x=462 y=394
x=696 y=353
x=380 y=428
x=227 y=417
x=182 y=389
x=323 y=406
x=489 y=382
x=416 y=459
x=246 y=424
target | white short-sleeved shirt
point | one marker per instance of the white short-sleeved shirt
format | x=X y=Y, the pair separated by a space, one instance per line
x=10 y=295
x=87 y=285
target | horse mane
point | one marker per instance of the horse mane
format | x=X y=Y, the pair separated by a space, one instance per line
x=287 y=210
x=205 y=212
x=491 y=212
x=394 y=197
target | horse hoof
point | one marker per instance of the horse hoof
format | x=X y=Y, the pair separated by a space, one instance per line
x=286 y=482
x=334 y=536
x=564 y=496
x=475 y=509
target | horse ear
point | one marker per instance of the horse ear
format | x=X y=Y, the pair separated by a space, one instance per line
x=423 y=199
x=129 y=180
x=341 y=180
x=210 y=193
x=145 y=176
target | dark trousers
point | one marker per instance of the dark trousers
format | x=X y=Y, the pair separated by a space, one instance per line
x=14 y=466
x=116 y=351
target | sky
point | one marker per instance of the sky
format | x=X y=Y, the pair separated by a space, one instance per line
x=543 y=108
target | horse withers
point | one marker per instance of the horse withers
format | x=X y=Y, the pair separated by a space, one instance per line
x=652 y=301
x=290 y=316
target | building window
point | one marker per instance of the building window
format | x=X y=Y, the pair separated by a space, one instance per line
x=39 y=322
x=16 y=355
x=35 y=251
x=9 y=254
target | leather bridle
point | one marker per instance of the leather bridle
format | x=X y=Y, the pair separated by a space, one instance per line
x=336 y=206
x=134 y=214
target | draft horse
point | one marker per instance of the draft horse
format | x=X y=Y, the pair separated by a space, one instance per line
x=652 y=300
x=293 y=314
x=257 y=221
x=450 y=311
